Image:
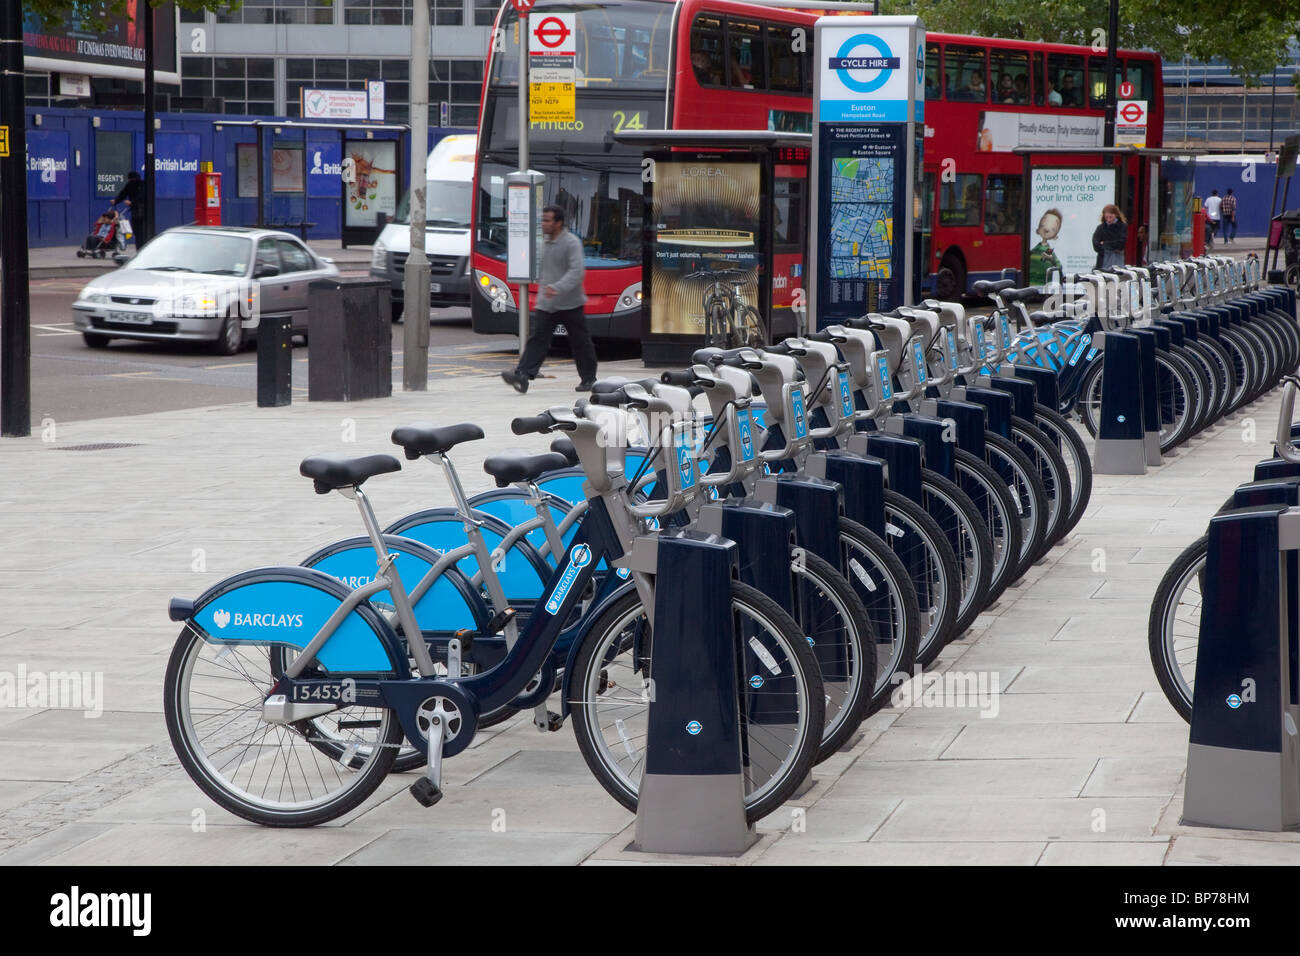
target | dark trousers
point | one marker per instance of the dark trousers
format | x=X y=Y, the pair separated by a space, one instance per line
x=137 y=227
x=541 y=330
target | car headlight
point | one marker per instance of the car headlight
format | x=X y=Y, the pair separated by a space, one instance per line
x=196 y=304
x=379 y=257
x=96 y=297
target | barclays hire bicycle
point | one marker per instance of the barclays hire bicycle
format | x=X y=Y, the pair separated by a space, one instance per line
x=278 y=668
x=832 y=612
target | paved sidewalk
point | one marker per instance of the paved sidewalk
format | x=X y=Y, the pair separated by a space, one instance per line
x=61 y=262
x=1082 y=763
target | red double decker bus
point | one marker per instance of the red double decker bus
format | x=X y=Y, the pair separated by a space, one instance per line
x=728 y=65
x=986 y=98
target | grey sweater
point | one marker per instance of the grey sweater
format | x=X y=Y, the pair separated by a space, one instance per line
x=563 y=268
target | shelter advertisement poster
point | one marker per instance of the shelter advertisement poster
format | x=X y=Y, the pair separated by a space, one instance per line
x=706 y=228
x=92 y=40
x=1064 y=210
x=369 y=181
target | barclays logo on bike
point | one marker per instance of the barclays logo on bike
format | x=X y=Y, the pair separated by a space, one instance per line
x=260 y=619
x=579 y=559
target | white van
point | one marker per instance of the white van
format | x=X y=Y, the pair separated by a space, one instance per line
x=448 y=200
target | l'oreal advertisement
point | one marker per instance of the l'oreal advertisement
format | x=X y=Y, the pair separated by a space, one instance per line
x=706 y=229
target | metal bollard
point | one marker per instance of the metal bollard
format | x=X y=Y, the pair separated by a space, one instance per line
x=274 y=361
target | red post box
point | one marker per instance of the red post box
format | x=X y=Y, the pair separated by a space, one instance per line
x=207 y=199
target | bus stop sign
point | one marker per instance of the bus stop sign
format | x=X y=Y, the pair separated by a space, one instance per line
x=523 y=6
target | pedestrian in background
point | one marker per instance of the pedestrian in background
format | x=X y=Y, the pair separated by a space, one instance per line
x=1228 y=213
x=559 y=302
x=1109 y=238
x=132 y=193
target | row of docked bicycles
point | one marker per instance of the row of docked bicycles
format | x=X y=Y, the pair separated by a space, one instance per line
x=1224 y=340
x=916 y=470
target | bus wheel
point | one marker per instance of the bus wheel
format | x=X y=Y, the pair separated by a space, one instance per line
x=950 y=280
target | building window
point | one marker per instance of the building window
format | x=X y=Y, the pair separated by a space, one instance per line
x=485 y=12
x=245 y=84
x=193 y=16
x=377 y=12
x=280 y=11
x=448 y=13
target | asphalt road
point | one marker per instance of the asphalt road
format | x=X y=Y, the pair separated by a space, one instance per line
x=71 y=382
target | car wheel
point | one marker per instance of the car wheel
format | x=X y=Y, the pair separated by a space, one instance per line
x=231 y=338
x=95 y=340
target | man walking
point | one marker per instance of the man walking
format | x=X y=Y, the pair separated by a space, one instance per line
x=559 y=302
x=1212 y=206
x=1228 y=213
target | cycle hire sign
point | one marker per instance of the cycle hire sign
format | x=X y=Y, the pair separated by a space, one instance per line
x=552 y=58
x=868 y=103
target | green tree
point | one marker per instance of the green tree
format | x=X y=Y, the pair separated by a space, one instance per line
x=90 y=12
x=1252 y=38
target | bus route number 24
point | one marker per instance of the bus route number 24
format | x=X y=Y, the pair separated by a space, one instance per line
x=623 y=120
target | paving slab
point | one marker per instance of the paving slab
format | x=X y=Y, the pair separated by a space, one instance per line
x=1082 y=764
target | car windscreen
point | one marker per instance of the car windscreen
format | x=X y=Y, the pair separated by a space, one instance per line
x=446 y=203
x=196 y=252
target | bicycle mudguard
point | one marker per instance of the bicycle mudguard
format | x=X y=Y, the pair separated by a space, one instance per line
x=522 y=570
x=593 y=614
x=288 y=605
x=450 y=604
x=564 y=483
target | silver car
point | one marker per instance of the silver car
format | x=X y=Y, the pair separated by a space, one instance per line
x=202 y=284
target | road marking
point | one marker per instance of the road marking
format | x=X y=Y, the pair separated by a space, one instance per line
x=126 y=374
x=51 y=330
x=229 y=365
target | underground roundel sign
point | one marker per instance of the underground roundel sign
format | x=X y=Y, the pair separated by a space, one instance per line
x=864 y=63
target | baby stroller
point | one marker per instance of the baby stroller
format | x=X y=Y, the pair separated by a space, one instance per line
x=107 y=236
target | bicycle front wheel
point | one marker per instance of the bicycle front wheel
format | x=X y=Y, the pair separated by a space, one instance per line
x=1174 y=627
x=782 y=707
x=277 y=775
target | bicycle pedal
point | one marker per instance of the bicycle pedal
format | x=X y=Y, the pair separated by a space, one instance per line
x=553 y=721
x=425 y=793
x=499 y=620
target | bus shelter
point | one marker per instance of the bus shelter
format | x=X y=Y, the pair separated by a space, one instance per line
x=726 y=211
x=1154 y=187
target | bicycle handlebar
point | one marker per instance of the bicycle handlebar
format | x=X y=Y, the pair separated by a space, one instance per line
x=539 y=424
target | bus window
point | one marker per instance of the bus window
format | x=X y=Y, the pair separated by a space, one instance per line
x=1138 y=73
x=959 y=201
x=784 y=64
x=1037 y=78
x=1003 y=204
x=1009 y=73
x=1097 y=81
x=933 y=82
x=706 y=51
x=966 y=73
x=1065 y=72
x=745 y=44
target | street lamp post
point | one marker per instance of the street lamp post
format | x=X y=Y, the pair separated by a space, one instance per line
x=15 y=309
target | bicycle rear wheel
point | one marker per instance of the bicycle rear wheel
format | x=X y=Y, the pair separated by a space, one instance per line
x=782 y=706
x=923 y=548
x=274 y=774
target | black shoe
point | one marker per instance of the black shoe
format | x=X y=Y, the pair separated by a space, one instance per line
x=516 y=379
x=586 y=386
